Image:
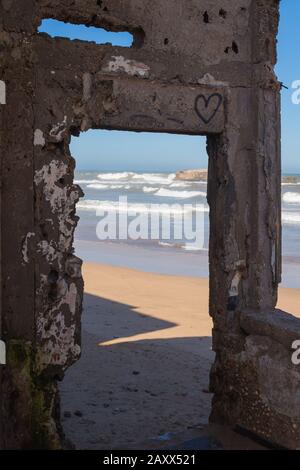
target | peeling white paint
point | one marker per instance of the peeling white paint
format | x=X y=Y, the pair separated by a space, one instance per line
x=59 y=345
x=49 y=250
x=234 y=288
x=76 y=350
x=25 y=247
x=130 y=67
x=209 y=79
x=2 y=353
x=71 y=298
x=39 y=138
x=58 y=130
x=239 y=266
x=87 y=87
x=62 y=200
x=49 y=175
x=2 y=92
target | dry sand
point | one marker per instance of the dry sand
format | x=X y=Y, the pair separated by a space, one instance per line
x=144 y=372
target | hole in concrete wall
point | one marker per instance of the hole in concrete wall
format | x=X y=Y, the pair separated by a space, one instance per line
x=206 y=17
x=146 y=330
x=223 y=13
x=101 y=4
x=234 y=47
x=91 y=34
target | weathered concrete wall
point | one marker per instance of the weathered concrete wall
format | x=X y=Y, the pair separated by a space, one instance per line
x=196 y=67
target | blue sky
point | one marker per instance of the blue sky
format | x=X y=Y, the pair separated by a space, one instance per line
x=288 y=70
x=128 y=151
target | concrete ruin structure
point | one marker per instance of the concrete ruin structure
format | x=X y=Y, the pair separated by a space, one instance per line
x=196 y=67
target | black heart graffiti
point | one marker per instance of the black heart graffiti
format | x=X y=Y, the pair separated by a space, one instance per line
x=207 y=107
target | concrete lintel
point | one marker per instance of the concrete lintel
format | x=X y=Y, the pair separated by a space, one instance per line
x=156 y=106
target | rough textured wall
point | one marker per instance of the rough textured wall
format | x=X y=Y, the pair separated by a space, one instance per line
x=196 y=67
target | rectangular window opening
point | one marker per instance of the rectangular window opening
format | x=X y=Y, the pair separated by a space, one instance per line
x=55 y=28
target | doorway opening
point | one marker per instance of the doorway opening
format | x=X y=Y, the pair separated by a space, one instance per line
x=143 y=378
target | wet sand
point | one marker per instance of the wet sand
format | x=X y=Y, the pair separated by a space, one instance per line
x=144 y=372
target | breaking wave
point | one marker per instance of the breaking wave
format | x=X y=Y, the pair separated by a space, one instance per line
x=179 y=194
x=102 y=186
x=149 y=189
x=113 y=206
x=85 y=181
x=291 y=198
x=115 y=176
x=150 y=178
x=291 y=217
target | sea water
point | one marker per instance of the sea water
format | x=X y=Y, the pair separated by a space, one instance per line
x=146 y=192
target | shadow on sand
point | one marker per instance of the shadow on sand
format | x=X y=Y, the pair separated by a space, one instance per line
x=125 y=392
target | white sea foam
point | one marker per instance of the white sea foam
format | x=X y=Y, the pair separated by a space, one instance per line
x=193 y=247
x=114 y=206
x=98 y=186
x=181 y=185
x=150 y=178
x=154 y=178
x=115 y=176
x=202 y=208
x=163 y=180
x=85 y=181
x=291 y=198
x=166 y=244
x=170 y=245
x=149 y=189
x=102 y=186
x=184 y=246
x=179 y=194
x=291 y=217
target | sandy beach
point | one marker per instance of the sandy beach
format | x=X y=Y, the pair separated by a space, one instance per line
x=144 y=372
